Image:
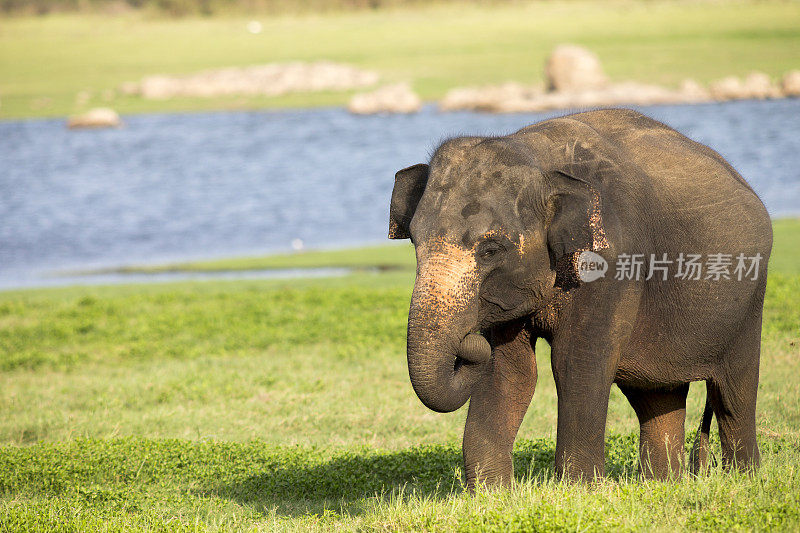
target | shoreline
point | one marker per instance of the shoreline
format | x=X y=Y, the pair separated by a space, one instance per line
x=426 y=106
x=375 y=259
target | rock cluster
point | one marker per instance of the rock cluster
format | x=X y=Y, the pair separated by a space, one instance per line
x=575 y=79
x=259 y=80
x=397 y=98
x=511 y=97
x=99 y=117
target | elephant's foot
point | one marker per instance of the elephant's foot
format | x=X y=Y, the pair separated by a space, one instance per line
x=580 y=467
x=495 y=470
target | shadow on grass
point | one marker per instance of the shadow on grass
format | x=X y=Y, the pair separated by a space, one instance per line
x=344 y=482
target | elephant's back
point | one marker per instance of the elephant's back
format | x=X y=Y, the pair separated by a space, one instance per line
x=646 y=140
x=697 y=193
x=681 y=192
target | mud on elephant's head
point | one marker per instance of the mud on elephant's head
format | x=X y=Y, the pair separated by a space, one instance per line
x=495 y=231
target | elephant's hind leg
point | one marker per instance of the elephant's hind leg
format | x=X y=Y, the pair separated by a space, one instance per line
x=733 y=397
x=662 y=416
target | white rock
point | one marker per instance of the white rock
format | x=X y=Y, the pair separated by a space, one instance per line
x=573 y=68
x=99 y=117
x=759 y=85
x=693 y=91
x=489 y=98
x=755 y=85
x=790 y=84
x=397 y=98
x=728 y=88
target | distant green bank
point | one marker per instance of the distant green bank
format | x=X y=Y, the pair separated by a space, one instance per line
x=373 y=258
x=401 y=257
x=63 y=64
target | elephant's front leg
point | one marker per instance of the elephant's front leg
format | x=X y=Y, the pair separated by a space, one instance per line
x=585 y=357
x=582 y=412
x=497 y=407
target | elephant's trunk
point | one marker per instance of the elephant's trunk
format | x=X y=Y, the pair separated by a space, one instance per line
x=443 y=371
x=445 y=359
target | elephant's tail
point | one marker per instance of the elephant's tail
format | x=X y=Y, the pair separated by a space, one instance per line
x=698 y=457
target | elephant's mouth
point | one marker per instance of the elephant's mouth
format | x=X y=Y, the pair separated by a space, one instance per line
x=459 y=362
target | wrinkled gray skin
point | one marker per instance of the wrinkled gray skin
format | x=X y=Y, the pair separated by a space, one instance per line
x=497 y=224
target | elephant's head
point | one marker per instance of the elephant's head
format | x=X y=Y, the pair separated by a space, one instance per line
x=494 y=233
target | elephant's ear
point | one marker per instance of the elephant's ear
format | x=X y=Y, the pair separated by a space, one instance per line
x=576 y=224
x=409 y=184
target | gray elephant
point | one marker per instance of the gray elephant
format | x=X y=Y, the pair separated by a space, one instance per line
x=507 y=231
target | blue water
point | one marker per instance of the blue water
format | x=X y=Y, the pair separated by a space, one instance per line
x=185 y=186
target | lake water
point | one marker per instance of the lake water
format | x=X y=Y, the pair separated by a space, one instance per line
x=185 y=186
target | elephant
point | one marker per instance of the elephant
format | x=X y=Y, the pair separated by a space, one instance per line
x=502 y=228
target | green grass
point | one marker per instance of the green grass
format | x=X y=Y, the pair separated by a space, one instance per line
x=380 y=257
x=787 y=239
x=286 y=405
x=46 y=61
x=179 y=485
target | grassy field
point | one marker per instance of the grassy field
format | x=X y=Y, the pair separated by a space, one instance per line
x=47 y=61
x=286 y=405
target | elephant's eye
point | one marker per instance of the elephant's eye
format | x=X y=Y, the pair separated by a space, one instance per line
x=488 y=250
